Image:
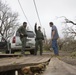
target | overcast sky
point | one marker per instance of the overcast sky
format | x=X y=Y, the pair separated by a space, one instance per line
x=48 y=10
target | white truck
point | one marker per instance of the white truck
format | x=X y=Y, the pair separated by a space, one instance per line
x=16 y=43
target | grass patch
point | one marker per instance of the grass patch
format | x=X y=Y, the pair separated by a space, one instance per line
x=73 y=54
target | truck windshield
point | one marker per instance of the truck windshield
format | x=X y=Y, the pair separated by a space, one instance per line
x=29 y=34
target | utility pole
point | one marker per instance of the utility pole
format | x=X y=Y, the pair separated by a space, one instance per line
x=37 y=12
x=45 y=35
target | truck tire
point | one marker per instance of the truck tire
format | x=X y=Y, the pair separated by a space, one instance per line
x=7 y=52
x=32 y=52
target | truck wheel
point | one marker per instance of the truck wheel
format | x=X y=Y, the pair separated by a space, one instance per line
x=7 y=52
x=12 y=52
x=32 y=52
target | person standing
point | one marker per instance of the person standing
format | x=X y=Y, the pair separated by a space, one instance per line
x=23 y=36
x=54 y=37
x=39 y=39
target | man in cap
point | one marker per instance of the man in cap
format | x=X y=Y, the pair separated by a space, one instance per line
x=38 y=39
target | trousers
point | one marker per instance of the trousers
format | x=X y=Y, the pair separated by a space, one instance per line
x=55 y=46
x=40 y=44
x=23 y=40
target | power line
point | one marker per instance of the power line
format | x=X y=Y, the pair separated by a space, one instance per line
x=38 y=16
x=37 y=12
x=24 y=13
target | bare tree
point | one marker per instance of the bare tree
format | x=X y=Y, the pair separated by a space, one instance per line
x=69 y=21
x=8 y=20
x=70 y=27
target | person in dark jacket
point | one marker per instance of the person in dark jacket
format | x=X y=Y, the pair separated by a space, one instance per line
x=38 y=39
x=23 y=36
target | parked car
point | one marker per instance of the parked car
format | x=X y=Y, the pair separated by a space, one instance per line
x=4 y=45
x=16 y=42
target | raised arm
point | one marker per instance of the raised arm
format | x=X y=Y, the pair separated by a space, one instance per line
x=35 y=28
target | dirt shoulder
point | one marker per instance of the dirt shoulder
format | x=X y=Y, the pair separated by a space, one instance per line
x=64 y=64
x=67 y=57
x=58 y=67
